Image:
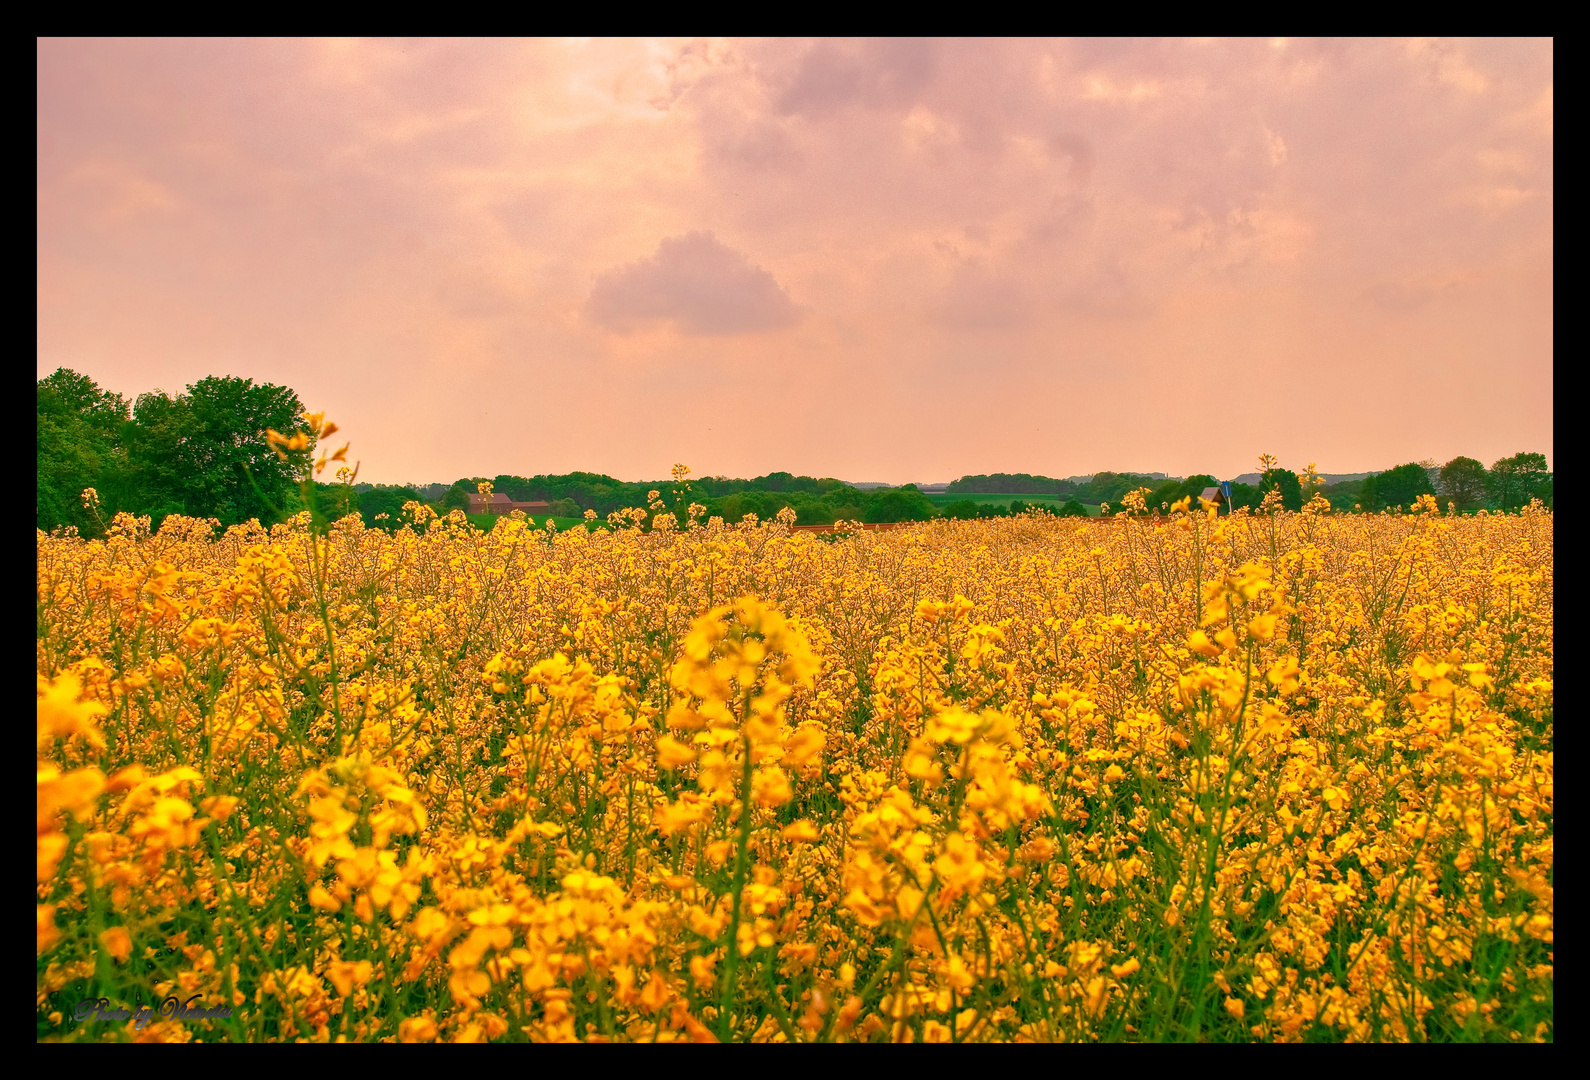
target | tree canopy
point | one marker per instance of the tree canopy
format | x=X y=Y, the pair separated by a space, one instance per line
x=1401 y=486
x=1463 y=482
x=1517 y=479
x=1009 y=484
x=79 y=445
x=202 y=453
x=1285 y=481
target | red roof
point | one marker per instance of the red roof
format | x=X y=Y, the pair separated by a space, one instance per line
x=498 y=503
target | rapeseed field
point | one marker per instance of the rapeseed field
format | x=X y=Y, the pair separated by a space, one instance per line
x=1272 y=776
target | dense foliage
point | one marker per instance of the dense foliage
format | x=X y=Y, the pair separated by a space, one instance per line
x=1010 y=484
x=1514 y=481
x=202 y=453
x=815 y=502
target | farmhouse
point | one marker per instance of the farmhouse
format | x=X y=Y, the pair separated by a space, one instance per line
x=498 y=503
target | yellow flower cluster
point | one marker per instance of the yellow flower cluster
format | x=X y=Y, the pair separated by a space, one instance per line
x=1269 y=777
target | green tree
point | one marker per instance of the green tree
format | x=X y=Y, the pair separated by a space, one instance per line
x=154 y=440
x=1164 y=493
x=848 y=507
x=79 y=434
x=1245 y=495
x=204 y=453
x=1109 y=487
x=1008 y=484
x=1517 y=479
x=814 y=513
x=1401 y=486
x=232 y=471
x=66 y=393
x=1463 y=481
x=900 y=504
x=1285 y=481
x=1346 y=494
x=1072 y=508
x=336 y=501
x=385 y=500
x=1192 y=488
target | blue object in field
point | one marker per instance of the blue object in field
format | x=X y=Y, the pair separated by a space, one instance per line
x=1225 y=488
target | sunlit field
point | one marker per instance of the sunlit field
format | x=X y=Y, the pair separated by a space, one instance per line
x=1277 y=776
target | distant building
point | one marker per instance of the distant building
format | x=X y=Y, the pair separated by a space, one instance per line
x=498 y=503
x=1210 y=493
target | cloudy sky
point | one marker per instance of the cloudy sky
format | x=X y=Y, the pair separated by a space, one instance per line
x=878 y=260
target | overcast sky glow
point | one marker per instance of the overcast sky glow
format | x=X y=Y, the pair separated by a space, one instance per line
x=889 y=260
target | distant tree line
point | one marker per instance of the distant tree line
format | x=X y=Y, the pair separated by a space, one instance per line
x=1510 y=483
x=815 y=501
x=203 y=453
x=1010 y=484
x=822 y=501
x=1099 y=488
x=971 y=510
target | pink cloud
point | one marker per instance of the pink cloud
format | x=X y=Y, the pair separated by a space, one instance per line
x=910 y=258
x=979 y=300
x=832 y=75
x=695 y=282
